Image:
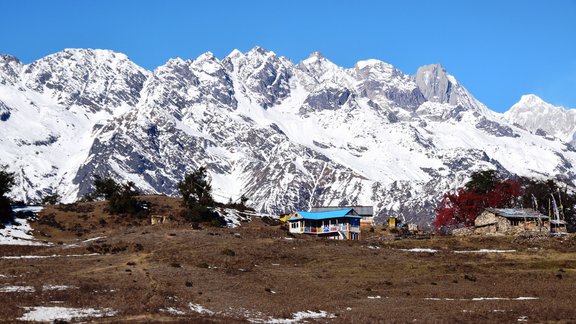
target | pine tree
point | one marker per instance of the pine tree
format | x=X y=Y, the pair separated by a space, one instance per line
x=196 y=194
x=482 y=181
x=6 y=183
x=196 y=190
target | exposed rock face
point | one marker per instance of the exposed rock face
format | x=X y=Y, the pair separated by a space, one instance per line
x=377 y=79
x=263 y=76
x=434 y=83
x=287 y=136
x=10 y=68
x=4 y=111
x=438 y=86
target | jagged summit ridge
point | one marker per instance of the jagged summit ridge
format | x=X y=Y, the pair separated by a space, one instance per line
x=287 y=135
x=94 y=79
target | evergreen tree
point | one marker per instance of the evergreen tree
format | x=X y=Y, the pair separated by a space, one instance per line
x=105 y=187
x=243 y=200
x=196 y=190
x=124 y=200
x=52 y=199
x=537 y=194
x=121 y=198
x=196 y=194
x=6 y=183
x=482 y=181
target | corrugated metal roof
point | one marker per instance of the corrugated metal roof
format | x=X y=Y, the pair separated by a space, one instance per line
x=517 y=213
x=361 y=210
x=557 y=222
x=348 y=213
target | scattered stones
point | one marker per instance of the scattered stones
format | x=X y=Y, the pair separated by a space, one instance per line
x=470 y=277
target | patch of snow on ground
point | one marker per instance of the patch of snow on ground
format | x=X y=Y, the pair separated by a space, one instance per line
x=420 y=250
x=9 y=289
x=46 y=256
x=231 y=216
x=483 y=298
x=20 y=234
x=48 y=314
x=93 y=239
x=487 y=251
x=200 y=309
x=85 y=241
x=25 y=209
x=58 y=287
x=426 y=250
x=173 y=311
x=297 y=317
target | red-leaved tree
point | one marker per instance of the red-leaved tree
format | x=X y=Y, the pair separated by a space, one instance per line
x=462 y=207
x=457 y=209
x=504 y=194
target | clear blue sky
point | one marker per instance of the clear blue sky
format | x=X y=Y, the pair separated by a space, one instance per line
x=498 y=49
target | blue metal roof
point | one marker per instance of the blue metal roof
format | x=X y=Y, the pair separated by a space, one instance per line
x=360 y=210
x=348 y=213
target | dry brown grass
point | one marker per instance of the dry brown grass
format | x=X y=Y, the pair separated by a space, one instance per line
x=255 y=272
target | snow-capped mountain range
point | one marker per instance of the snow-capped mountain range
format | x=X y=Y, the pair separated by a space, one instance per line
x=288 y=136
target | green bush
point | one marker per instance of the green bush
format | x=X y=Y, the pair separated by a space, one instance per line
x=52 y=199
x=121 y=198
x=203 y=214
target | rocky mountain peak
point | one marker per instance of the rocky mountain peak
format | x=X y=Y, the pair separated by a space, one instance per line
x=175 y=69
x=174 y=62
x=530 y=100
x=260 y=51
x=531 y=103
x=208 y=56
x=434 y=83
x=231 y=60
x=88 y=57
x=538 y=116
x=263 y=75
x=438 y=86
x=235 y=53
x=91 y=78
x=316 y=55
x=8 y=59
x=321 y=69
x=375 y=69
x=10 y=67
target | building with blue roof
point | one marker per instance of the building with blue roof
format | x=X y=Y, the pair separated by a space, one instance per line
x=367 y=212
x=340 y=224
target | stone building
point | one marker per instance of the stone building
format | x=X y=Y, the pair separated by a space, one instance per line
x=510 y=221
